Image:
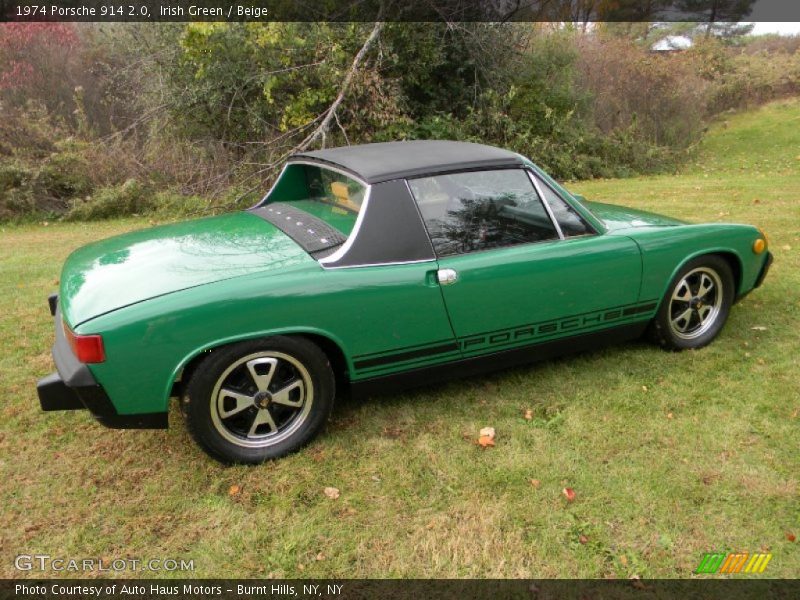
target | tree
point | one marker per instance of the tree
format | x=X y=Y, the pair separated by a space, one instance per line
x=720 y=16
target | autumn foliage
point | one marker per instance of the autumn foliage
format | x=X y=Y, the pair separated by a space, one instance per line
x=32 y=52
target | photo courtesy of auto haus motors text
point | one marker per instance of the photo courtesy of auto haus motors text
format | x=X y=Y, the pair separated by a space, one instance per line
x=379 y=299
x=139 y=590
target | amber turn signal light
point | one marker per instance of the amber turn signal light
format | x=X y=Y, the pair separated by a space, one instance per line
x=759 y=246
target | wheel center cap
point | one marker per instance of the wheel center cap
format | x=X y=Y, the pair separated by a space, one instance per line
x=696 y=302
x=263 y=399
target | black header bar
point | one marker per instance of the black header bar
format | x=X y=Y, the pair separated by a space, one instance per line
x=398 y=10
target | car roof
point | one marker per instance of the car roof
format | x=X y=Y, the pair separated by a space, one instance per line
x=385 y=161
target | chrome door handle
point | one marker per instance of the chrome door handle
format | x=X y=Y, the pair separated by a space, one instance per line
x=446 y=276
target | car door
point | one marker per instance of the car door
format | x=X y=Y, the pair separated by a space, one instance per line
x=509 y=275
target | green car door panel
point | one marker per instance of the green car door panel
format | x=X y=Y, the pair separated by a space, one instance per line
x=533 y=292
x=400 y=258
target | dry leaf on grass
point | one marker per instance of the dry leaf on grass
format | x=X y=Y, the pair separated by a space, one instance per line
x=536 y=483
x=332 y=492
x=234 y=490
x=528 y=414
x=758 y=328
x=790 y=536
x=569 y=494
x=583 y=539
x=486 y=438
x=485 y=441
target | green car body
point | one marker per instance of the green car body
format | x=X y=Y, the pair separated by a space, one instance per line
x=162 y=298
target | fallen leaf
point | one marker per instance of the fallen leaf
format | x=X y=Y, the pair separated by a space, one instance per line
x=234 y=490
x=583 y=539
x=624 y=560
x=786 y=247
x=320 y=556
x=644 y=388
x=758 y=328
x=332 y=492
x=536 y=483
x=487 y=431
x=669 y=415
x=790 y=536
x=528 y=414
x=569 y=494
x=485 y=441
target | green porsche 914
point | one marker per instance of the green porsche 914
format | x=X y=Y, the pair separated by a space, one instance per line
x=372 y=267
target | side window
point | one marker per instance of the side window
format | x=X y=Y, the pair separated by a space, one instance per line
x=569 y=220
x=480 y=210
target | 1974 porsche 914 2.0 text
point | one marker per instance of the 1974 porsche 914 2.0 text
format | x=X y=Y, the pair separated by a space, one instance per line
x=368 y=267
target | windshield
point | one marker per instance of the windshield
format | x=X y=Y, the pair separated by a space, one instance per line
x=323 y=193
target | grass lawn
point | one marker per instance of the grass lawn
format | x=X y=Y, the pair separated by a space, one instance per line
x=670 y=454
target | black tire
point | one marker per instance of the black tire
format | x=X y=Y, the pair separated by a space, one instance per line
x=683 y=297
x=291 y=409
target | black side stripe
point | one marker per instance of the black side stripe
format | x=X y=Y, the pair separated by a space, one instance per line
x=385 y=360
x=635 y=310
x=415 y=346
x=444 y=347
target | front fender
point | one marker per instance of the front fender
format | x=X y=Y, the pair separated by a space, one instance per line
x=666 y=250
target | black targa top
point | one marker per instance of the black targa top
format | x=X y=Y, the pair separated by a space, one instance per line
x=385 y=161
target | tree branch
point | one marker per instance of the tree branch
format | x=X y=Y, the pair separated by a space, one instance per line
x=330 y=113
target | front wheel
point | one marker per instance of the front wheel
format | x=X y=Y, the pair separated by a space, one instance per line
x=696 y=304
x=259 y=400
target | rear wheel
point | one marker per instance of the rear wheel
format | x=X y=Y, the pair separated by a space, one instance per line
x=259 y=400
x=696 y=304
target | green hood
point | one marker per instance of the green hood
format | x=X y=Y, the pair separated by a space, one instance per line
x=126 y=269
x=621 y=217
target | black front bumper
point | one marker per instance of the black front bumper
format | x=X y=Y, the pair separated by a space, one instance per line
x=73 y=387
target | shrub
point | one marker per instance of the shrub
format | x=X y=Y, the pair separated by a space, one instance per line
x=130 y=198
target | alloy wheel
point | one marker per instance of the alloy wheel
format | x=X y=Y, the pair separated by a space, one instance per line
x=261 y=399
x=695 y=303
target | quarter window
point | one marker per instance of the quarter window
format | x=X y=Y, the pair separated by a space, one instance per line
x=569 y=220
x=481 y=210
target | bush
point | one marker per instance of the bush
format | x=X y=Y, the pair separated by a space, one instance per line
x=64 y=175
x=130 y=198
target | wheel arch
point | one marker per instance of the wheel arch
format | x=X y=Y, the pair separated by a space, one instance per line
x=729 y=255
x=328 y=343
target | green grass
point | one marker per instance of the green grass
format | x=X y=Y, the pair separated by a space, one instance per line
x=670 y=454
